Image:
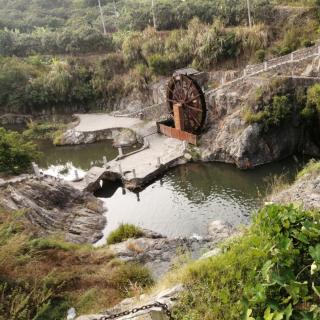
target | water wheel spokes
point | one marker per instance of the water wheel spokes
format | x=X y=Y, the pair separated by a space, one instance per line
x=185 y=91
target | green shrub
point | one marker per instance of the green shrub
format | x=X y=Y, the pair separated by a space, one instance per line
x=16 y=153
x=308 y=113
x=124 y=232
x=285 y=50
x=270 y=272
x=44 y=130
x=161 y=64
x=254 y=117
x=260 y=55
x=313 y=97
x=272 y=114
x=47 y=244
x=307 y=43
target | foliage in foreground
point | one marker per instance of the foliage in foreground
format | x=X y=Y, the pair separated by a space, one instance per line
x=41 y=278
x=271 y=272
x=16 y=153
x=124 y=232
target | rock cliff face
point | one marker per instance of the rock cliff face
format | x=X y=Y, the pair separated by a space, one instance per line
x=228 y=138
x=55 y=207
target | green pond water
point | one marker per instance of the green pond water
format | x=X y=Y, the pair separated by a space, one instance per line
x=186 y=199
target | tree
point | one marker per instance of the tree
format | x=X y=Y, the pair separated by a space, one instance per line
x=16 y=153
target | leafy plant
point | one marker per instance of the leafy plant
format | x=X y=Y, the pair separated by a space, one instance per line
x=270 y=272
x=16 y=153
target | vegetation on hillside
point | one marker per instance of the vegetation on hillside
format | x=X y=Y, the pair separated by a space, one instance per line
x=39 y=42
x=282 y=101
x=16 y=152
x=41 y=278
x=270 y=272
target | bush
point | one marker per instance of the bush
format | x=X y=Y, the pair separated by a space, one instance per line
x=124 y=232
x=16 y=153
x=313 y=97
x=254 y=117
x=47 y=244
x=271 y=272
x=272 y=114
x=46 y=131
x=285 y=50
x=260 y=55
x=313 y=167
x=161 y=64
x=307 y=43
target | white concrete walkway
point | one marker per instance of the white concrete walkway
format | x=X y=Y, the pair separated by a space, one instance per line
x=139 y=168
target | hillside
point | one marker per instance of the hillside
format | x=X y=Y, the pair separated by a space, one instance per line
x=262 y=105
x=56 y=57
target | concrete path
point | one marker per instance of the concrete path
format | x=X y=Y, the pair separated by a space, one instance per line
x=140 y=168
x=97 y=122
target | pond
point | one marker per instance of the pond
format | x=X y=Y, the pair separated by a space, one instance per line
x=186 y=199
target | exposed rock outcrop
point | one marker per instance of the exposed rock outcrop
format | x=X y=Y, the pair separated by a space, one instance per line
x=55 y=207
x=229 y=138
x=159 y=253
x=74 y=137
x=305 y=192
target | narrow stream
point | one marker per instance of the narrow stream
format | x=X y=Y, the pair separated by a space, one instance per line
x=186 y=199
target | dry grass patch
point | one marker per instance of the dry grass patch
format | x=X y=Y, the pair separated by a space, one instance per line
x=40 y=278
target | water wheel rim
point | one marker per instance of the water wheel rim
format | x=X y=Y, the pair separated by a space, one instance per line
x=185 y=91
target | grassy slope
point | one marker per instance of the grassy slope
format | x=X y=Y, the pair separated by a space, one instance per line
x=263 y=274
x=40 y=278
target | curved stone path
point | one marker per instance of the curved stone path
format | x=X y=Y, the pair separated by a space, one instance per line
x=140 y=168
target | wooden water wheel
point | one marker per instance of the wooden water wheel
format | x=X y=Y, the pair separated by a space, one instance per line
x=184 y=91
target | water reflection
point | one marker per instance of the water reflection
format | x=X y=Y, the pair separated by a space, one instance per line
x=186 y=199
x=189 y=197
x=82 y=156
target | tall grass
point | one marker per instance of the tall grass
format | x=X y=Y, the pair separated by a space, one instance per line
x=40 y=278
x=124 y=232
